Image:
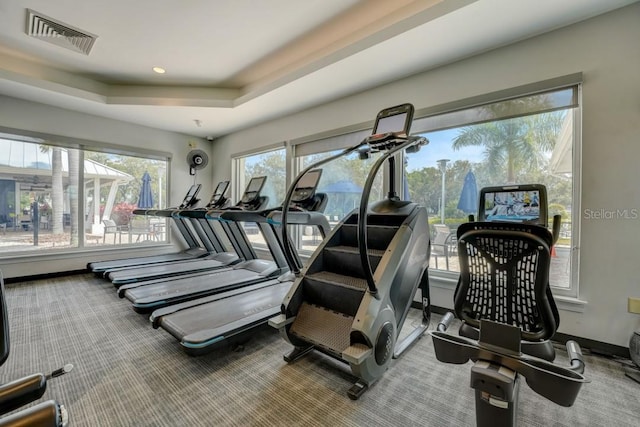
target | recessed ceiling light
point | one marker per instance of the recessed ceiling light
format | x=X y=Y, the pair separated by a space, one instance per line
x=159 y=70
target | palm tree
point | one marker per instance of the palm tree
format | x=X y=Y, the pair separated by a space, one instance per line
x=514 y=143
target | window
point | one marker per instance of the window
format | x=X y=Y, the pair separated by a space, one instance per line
x=522 y=140
x=271 y=164
x=342 y=180
x=49 y=202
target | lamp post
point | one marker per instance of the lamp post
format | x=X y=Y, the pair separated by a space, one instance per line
x=442 y=164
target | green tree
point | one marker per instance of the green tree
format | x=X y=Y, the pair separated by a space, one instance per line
x=513 y=144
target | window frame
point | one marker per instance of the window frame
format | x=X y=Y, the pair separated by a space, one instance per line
x=568 y=296
x=83 y=145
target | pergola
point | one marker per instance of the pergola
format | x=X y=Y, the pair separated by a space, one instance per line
x=29 y=166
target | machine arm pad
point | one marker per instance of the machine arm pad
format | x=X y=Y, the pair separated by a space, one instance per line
x=21 y=391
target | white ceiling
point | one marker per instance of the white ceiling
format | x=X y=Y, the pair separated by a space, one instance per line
x=234 y=63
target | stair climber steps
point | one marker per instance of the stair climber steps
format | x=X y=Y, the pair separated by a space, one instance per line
x=335 y=291
x=378 y=236
x=324 y=328
x=346 y=260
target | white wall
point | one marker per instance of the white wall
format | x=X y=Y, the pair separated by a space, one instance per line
x=606 y=50
x=35 y=117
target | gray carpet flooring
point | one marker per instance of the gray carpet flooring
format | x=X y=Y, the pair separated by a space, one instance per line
x=128 y=374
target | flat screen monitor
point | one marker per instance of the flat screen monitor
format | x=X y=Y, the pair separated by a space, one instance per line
x=516 y=203
x=394 y=120
x=306 y=187
x=191 y=194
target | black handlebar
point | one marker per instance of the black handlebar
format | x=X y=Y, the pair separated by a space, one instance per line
x=287 y=246
x=391 y=149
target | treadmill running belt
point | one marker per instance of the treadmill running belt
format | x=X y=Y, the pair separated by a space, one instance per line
x=161 y=294
x=211 y=322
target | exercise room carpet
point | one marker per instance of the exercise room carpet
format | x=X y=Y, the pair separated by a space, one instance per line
x=128 y=374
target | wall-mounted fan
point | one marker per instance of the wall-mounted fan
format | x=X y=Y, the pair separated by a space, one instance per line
x=197 y=159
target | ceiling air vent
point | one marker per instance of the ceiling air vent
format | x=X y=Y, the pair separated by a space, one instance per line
x=47 y=29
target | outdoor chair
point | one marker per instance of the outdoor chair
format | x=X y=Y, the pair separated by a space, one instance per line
x=110 y=227
x=141 y=228
x=443 y=243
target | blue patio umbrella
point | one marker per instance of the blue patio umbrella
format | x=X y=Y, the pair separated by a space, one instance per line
x=145 y=200
x=468 y=202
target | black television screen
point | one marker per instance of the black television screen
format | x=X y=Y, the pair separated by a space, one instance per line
x=517 y=203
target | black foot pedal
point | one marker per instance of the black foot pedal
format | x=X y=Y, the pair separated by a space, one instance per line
x=297 y=353
x=357 y=390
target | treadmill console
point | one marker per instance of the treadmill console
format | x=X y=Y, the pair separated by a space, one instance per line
x=218 y=199
x=252 y=192
x=514 y=203
x=306 y=187
x=190 y=199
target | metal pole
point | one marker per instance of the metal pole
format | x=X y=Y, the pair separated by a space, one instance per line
x=442 y=164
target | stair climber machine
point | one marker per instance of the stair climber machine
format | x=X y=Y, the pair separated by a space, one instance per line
x=506 y=307
x=153 y=293
x=218 y=257
x=337 y=305
x=204 y=324
x=28 y=389
x=194 y=250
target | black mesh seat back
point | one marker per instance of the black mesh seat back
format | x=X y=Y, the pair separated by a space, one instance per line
x=4 y=324
x=504 y=277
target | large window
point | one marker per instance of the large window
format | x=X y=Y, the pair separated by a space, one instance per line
x=271 y=164
x=55 y=197
x=342 y=181
x=524 y=140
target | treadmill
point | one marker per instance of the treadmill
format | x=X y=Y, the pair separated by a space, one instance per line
x=205 y=324
x=158 y=294
x=194 y=250
x=251 y=200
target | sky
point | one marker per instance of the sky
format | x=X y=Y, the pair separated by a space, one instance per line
x=439 y=147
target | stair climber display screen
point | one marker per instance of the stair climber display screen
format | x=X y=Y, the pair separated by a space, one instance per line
x=394 y=120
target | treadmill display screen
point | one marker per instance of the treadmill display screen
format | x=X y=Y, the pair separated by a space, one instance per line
x=191 y=194
x=525 y=204
x=255 y=184
x=306 y=187
x=252 y=191
x=220 y=190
